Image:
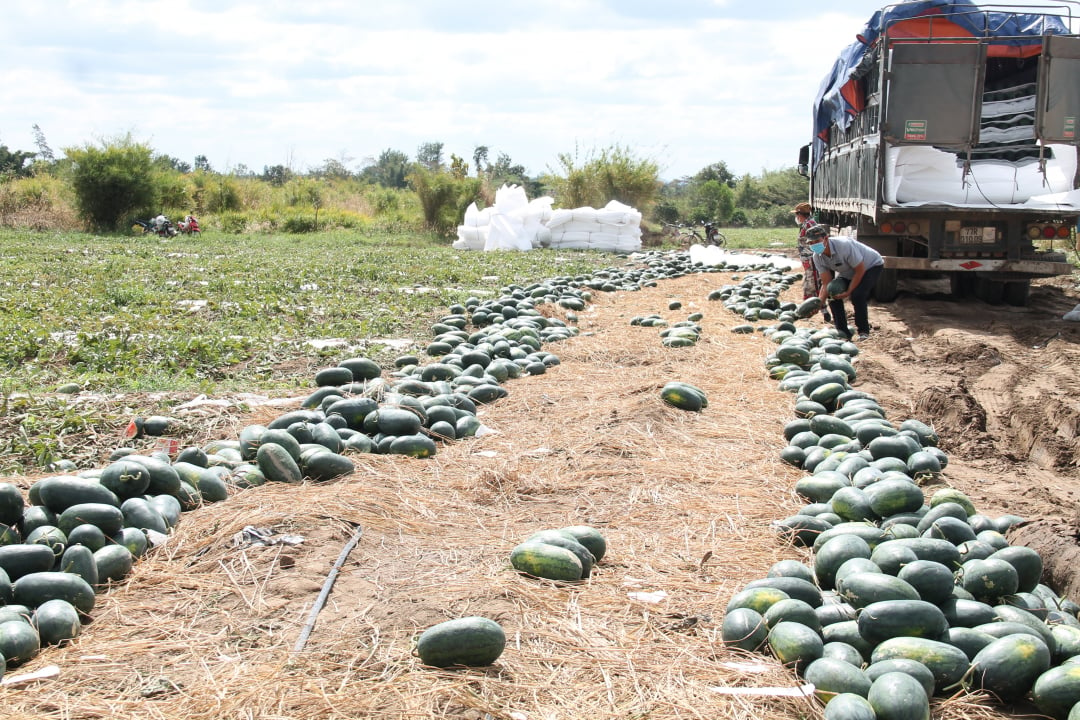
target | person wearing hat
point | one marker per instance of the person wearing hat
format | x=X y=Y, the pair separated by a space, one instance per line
x=811 y=281
x=846 y=258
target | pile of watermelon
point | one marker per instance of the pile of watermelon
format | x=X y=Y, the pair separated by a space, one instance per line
x=902 y=596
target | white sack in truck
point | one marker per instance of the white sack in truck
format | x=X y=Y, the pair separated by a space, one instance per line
x=917 y=175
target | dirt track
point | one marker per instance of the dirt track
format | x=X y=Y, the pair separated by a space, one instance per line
x=204 y=629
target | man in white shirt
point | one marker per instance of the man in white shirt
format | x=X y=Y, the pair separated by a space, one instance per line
x=847 y=258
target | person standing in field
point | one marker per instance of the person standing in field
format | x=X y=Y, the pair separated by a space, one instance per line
x=811 y=280
x=847 y=258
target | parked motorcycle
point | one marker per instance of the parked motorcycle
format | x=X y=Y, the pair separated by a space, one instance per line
x=160 y=226
x=189 y=226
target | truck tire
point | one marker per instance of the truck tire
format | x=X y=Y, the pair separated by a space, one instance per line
x=1017 y=292
x=962 y=284
x=886 y=287
x=989 y=291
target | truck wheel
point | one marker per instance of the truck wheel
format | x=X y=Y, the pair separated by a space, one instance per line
x=962 y=284
x=886 y=288
x=991 y=292
x=1017 y=292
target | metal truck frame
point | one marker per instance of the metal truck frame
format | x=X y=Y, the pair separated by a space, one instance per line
x=921 y=104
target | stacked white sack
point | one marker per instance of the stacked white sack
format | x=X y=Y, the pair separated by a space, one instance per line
x=512 y=223
x=614 y=228
x=473 y=232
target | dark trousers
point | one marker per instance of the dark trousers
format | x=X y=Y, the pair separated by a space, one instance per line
x=859 y=299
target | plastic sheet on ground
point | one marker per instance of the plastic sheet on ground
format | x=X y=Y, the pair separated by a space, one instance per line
x=713 y=255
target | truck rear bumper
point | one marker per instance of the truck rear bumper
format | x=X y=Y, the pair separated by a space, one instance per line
x=1032 y=268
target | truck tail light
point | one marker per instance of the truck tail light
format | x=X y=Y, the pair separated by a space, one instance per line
x=1064 y=231
x=1049 y=232
x=913 y=228
x=1034 y=232
x=899 y=226
x=886 y=228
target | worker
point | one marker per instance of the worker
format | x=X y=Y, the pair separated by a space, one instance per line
x=811 y=282
x=846 y=258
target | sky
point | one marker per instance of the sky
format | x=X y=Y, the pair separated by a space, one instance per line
x=256 y=83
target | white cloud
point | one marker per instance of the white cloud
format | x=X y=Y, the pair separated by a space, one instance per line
x=687 y=82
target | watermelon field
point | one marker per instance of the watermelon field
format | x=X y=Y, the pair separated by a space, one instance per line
x=305 y=600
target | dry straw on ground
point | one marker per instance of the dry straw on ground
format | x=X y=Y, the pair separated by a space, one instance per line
x=205 y=628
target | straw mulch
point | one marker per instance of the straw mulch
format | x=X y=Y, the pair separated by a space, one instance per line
x=205 y=628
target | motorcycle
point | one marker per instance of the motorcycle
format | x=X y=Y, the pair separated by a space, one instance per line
x=189 y=226
x=160 y=226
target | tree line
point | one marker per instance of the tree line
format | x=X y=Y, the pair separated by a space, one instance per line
x=105 y=186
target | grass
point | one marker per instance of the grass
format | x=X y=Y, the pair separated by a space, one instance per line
x=739 y=238
x=133 y=318
x=222 y=312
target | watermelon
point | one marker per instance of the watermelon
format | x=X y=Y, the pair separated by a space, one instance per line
x=744 y=628
x=469 y=641
x=56 y=621
x=898 y=696
x=684 y=396
x=1009 y=666
x=832 y=677
x=795 y=644
x=546 y=561
x=1057 y=691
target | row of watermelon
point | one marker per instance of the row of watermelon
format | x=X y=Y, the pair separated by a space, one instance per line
x=77 y=533
x=902 y=597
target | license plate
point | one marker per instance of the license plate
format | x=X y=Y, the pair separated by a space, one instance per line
x=978 y=235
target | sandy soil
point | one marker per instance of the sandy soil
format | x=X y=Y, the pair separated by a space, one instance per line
x=206 y=628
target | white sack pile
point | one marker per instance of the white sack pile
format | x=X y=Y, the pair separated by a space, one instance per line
x=515 y=223
x=613 y=228
x=512 y=223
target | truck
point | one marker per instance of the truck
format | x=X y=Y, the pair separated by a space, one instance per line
x=945 y=137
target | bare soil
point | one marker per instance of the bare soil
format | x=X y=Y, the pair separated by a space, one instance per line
x=208 y=628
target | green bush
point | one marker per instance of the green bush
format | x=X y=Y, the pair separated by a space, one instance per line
x=443 y=197
x=233 y=223
x=112 y=181
x=212 y=193
x=770 y=216
x=612 y=174
x=665 y=211
x=304 y=223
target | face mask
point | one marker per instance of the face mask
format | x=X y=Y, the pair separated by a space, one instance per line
x=817 y=248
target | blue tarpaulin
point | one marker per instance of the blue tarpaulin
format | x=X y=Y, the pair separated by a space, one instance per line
x=1013 y=34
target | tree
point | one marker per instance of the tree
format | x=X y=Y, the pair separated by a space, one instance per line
x=714 y=201
x=167 y=162
x=45 y=153
x=458 y=167
x=203 y=164
x=333 y=168
x=506 y=172
x=480 y=159
x=429 y=155
x=14 y=163
x=389 y=170
x=717 y=171
x=276 y=175
x=112 y=180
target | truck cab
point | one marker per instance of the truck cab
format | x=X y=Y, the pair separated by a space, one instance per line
x=946 y=138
